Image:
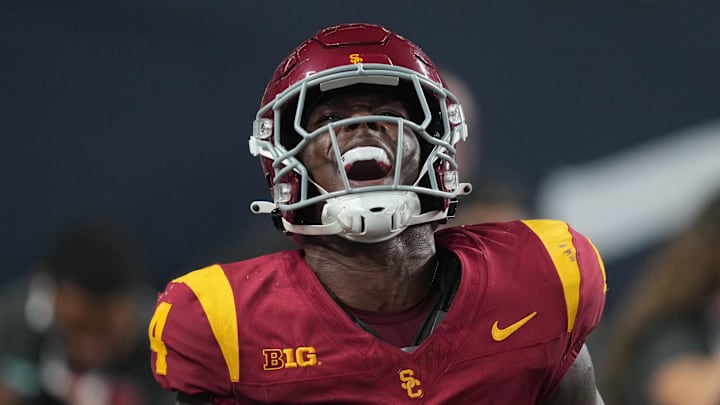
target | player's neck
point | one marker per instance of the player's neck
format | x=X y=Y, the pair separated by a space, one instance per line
x=387 y=276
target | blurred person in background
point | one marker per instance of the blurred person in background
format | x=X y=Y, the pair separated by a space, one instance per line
x=494 y=197
x=74 y=328
x=664 y=346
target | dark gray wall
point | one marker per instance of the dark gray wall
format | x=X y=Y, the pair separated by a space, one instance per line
x=141 y=109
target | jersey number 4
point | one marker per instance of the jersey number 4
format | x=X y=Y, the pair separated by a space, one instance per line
x=155 y=331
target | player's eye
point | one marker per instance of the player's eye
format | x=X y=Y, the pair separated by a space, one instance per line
x=332 y=117
x=324 y=119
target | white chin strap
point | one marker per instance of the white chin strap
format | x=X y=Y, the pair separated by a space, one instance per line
x=368 y=217
x=373 y=217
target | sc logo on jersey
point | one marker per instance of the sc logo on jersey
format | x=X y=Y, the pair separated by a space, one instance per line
x=410 y=383
x=278 y=359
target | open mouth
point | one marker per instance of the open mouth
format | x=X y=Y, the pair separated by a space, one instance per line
x=366 y=163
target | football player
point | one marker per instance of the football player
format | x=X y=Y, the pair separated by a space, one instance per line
x=357 y=135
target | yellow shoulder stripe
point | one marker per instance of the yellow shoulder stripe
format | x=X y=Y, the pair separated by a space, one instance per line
x=557 y=240
x=155 y=332
x=212 y=289
x=602 y=266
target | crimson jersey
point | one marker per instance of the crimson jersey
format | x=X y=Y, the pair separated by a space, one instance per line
x=265 y=330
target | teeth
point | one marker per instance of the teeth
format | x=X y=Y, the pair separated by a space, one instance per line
x=363 y=153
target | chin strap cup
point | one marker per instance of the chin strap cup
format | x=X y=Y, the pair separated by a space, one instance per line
x=372 y=217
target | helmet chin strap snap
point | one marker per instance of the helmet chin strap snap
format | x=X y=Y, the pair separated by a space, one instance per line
x=372 y=217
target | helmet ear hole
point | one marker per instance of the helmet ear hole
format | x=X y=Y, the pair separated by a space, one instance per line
x=288 y=136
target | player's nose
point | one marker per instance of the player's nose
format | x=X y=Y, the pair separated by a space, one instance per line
x=367 y=124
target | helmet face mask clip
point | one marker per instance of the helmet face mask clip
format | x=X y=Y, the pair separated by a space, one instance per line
x=336 y=59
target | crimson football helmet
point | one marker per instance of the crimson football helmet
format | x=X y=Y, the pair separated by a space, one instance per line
x=334 y=58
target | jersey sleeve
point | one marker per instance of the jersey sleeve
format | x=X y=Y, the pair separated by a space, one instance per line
x=581 y=273
x=193 y=334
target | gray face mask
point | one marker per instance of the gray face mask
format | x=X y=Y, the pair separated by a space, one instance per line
x=367 y=213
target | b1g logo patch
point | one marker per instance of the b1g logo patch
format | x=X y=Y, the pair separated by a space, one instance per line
x=278 y=359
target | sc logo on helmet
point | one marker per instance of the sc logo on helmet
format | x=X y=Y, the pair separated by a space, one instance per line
x=355 y=58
